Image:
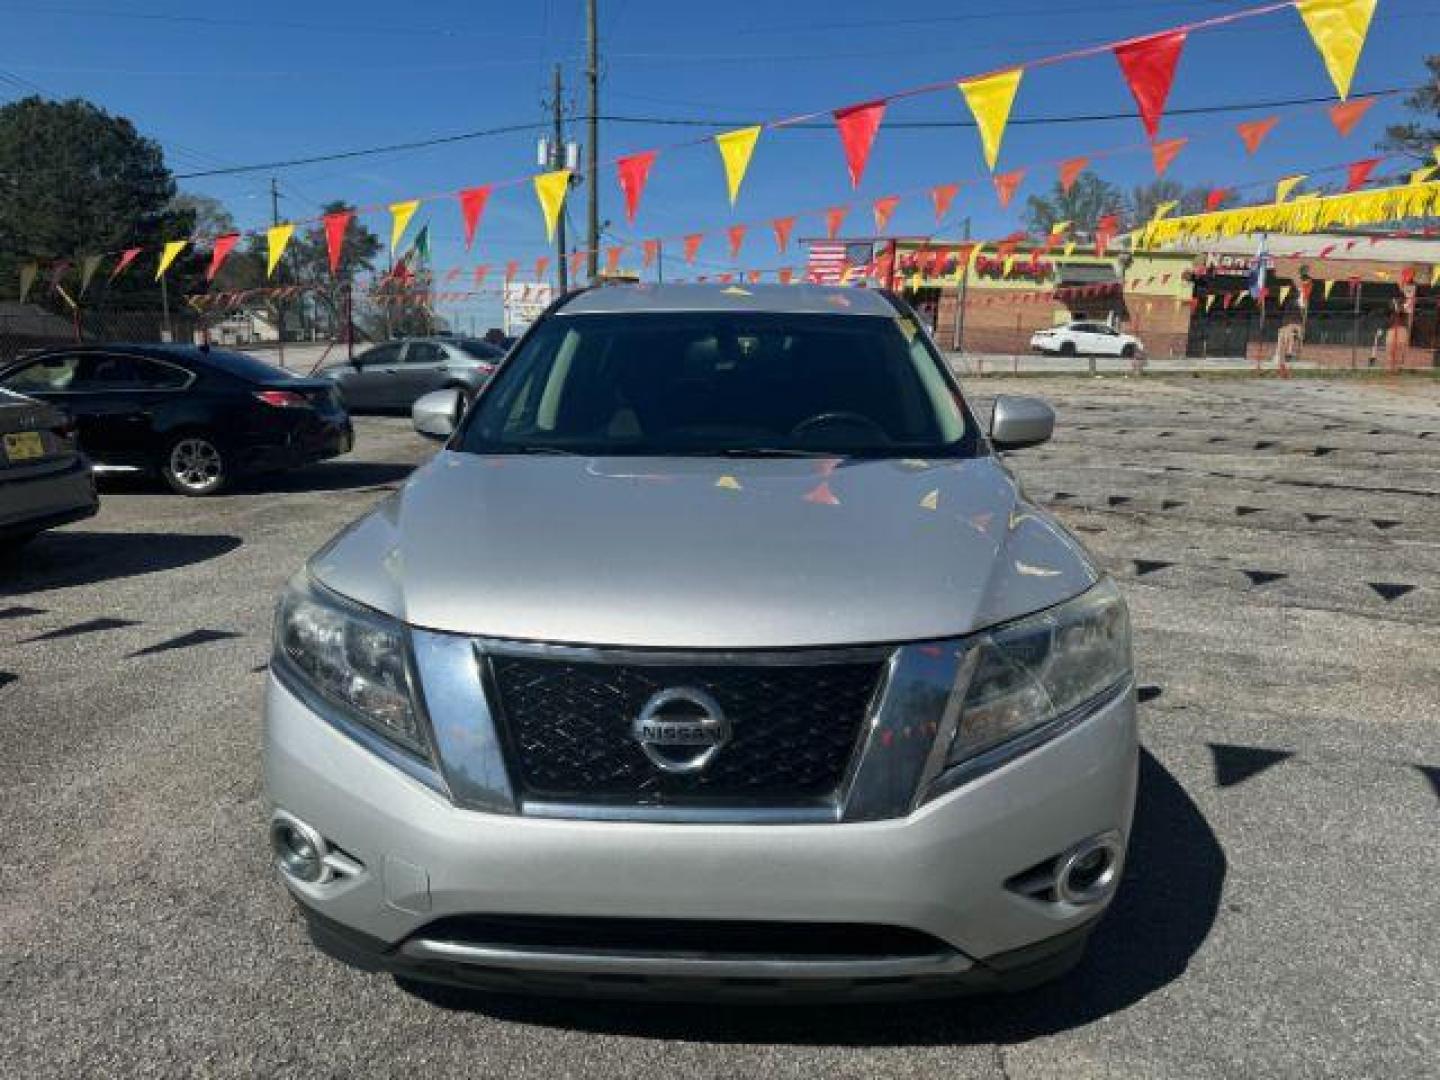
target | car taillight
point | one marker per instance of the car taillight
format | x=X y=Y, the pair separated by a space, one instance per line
x=283 y=399
x=485 y=369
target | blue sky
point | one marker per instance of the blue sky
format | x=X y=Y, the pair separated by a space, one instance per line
x=236 y=84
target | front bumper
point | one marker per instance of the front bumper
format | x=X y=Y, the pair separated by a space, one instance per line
x=941 y=871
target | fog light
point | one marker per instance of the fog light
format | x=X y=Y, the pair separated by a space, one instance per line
x=1087 y=872
x=299 y=849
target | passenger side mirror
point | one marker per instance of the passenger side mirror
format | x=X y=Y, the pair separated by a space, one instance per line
x=1018 y=422
x=437 y=414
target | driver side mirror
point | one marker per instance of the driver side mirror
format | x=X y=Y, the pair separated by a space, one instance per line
x=437 y=414
x=1018 y=422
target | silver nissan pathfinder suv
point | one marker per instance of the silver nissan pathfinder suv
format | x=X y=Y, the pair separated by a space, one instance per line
x=717 y=652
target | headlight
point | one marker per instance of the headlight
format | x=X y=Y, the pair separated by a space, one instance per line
x=353 y=658
x=1029 y=673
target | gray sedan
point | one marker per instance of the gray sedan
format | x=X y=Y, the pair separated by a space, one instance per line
x=44 y=480
x=393 y=375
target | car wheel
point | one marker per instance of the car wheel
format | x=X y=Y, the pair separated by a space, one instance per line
x=1067 y=348
x=1128 y=352
x=193 y=464
x=466 y=394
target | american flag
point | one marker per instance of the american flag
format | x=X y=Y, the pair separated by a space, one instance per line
x=830 y=259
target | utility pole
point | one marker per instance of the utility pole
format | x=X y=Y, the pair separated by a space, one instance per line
x=279 y=304
x=557 y=161
x=963 y=270
x=592 y=152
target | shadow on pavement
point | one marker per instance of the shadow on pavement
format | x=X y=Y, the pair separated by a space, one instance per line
x=1163 y=913
x=58 y=560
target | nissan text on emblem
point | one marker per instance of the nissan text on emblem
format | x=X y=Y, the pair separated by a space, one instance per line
x=681 y=729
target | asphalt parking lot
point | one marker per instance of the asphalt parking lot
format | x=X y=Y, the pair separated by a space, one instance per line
x=1280 y=546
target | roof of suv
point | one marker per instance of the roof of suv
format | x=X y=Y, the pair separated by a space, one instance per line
x=778 y=299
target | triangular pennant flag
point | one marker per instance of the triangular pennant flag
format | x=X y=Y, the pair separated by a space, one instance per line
x=550 y=190
x=883 y=209
x=783 y=227
x=1253 y=132
x=736 y=236
x=1284 y=188
x=1328 y=285
x=421 y=246
x=480 y=274
x=472 y=205
x=1163 y=153
x=277 y=239
x=990 y=99
x=1209 y=301
x=857 y=125
x=634 y=172
x=736 y=147
x=513 y=267
x=336 y=225
x=942 y=196
x=1070 y=170
x=1164 y=208
x=168 y=255
x=28 y=272
x=1215 y=198
x=1284 y=294
x=400 y=215
x=223 y=246
x=88 y=265
x=1359 y=172
x=1348 y=113
x=834 y=218
x=1069 y=249
x=1338 y=28
x=542 y=267
x=128 y=256
x=650 y=251
x=692 y=246
x=786 y=275
x=1148 y=65
x=1419 y=176
x=1006 y=183
x=577 y=263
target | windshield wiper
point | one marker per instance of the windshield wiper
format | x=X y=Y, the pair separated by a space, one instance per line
x=774 y=451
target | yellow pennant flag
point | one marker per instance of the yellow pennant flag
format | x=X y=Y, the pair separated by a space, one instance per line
x=990 y=99
x=168 y=256
x=400 y=215
x=277 y=239
x=1209 y=301
x=1338 y=28
x=1070 y=249
x=550 y=189
x=1286 y=186
x=1059 y=227
x=1009 y=265
x=735 y=150
x=1284 y=294
x=1419 y=176
x=1435 y=274
x=28 y=273
x=1164 y=208
x=975 y=255
x=1328 y=286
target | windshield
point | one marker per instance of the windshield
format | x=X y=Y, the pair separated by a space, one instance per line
x=721 y=383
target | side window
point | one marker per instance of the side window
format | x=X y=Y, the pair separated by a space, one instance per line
x=157 y=376
x=52 y=373
x=380 y=356
x=424 y=352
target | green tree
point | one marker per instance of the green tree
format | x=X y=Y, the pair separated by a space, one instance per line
x=210 y=216
x=74 y=181
x=1145 y=199
x=1088 y=200
x=309 y=264
x=1419 y=137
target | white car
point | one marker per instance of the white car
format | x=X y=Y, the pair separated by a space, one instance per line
x=1085 y=339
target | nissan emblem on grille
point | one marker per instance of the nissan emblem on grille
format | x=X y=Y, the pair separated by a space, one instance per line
x=681 y=729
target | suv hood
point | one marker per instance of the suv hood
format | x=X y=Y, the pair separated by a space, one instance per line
x=705 y=552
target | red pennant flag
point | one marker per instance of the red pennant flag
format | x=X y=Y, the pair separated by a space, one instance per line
x=783 y=226
x=542 y=264
x=511 y=268
x=1105 y=231
x=1148 y=65
x=480 y=272
x=336 y=225
x=786 y=275
x=753 y=277
x=834 y=218
x=452 y=274
x=577 y=263
x=883 y=209
x=942 y=197
x=1253 y=133
x=857 y=125
x=1348 y=113
x=1227 y=300
x=736 y=233
x=692 y=246
x=223 y=246
x=1006 y=183
x=725 y=278
x=127 y=257
x=1359 y=172
x=472 y=205
x=651 y=250
x=1215 y=198
x=634 y=171
x=1163 y=153
x=612 y=257
x=1070 y=170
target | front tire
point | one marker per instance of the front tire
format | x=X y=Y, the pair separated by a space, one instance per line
x=194 y=465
